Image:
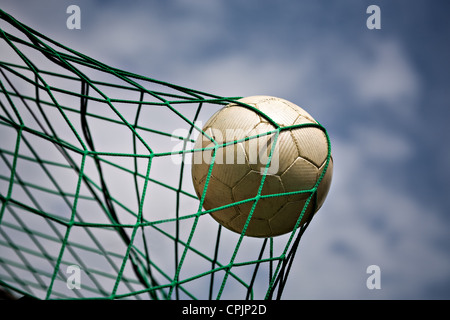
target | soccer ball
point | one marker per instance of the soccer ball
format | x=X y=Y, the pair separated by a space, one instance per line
x=244 y=143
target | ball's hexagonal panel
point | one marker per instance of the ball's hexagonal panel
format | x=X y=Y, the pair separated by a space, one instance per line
x=233 y=123
x=256 y=227
x=225 y=216
x=215 y=188
x=248 y=188
x=218 y=194
x=285 y=219
x=230 y=164
x=278 y=110
x=285 y=151
x=258 y=150
x=312 y=144
x=301 y=175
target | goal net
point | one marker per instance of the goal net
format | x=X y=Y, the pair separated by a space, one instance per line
x=96 y=196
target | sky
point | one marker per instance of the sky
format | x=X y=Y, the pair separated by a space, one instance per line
x=382 y=95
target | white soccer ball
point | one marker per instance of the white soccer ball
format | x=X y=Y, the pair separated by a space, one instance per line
x=240 y=161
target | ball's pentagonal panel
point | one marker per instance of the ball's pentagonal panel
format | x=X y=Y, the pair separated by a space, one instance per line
x=298 y=156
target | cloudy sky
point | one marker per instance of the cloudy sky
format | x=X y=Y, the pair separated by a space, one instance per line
x=382 y=95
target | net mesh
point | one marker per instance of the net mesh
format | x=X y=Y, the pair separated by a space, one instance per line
x=95 y=190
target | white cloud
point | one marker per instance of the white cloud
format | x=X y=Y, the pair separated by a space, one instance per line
x=382 y=144
x=386 y=75
x=241 y=74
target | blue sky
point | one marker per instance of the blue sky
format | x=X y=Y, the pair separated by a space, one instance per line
x=382 y=95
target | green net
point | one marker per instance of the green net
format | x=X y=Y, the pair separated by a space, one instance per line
x=95 y=188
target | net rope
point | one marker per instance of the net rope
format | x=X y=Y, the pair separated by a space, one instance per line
x=95 y=190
